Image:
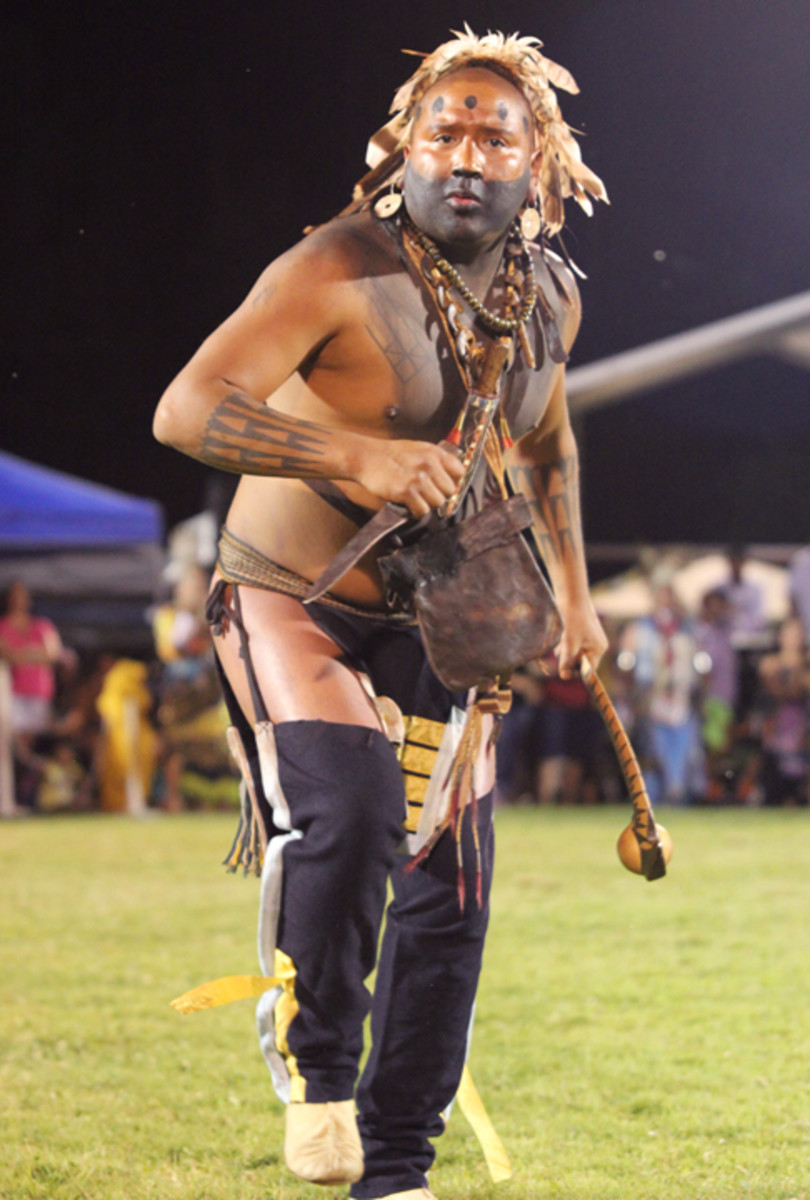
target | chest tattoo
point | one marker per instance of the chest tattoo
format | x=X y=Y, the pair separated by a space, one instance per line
x=400 y=336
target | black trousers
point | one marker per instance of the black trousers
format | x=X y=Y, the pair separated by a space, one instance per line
x=344 y=788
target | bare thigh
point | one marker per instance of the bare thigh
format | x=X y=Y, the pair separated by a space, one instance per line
x=298 y=667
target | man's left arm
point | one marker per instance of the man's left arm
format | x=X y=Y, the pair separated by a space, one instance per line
x=544 y=466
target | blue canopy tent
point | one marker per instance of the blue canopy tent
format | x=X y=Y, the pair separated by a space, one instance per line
x=91 y=555
x=41 y=508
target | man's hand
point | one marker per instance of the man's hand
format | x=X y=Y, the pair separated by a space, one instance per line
x=417 y=474
x=583 y=635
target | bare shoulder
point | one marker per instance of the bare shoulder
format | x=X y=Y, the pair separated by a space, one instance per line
x=344 y=250
x=560 y=289
x=563 y=278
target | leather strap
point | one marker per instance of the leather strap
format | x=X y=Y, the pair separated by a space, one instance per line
x=389 y=518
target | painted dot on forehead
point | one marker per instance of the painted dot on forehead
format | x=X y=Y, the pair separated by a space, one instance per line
x=502 y=111
x=471 y=101
x=418 y=111
x=525 y=124
x=438 y=104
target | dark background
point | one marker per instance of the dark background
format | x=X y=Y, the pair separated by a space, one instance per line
x=158 y=156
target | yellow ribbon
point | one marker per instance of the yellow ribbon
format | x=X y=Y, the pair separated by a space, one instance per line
x=227 y=989
x=242 y=987
x=472 y=1106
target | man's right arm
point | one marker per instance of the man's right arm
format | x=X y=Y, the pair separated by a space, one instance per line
x=214 y=409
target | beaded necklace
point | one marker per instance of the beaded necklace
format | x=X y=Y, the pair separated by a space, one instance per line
x=520 y=288
x=495 y=322
x=467 y=350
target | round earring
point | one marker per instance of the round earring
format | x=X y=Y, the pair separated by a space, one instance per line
x=530 y=222
x=388 y=205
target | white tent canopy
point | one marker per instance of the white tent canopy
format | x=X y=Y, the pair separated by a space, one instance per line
x=629 y=595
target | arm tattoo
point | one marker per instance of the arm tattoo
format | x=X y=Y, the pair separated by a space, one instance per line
x=551 y=489
x=246 y=437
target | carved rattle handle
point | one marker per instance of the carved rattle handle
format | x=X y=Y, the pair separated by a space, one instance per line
x=651 y=852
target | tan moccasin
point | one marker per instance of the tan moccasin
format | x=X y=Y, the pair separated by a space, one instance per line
x=322 y=1143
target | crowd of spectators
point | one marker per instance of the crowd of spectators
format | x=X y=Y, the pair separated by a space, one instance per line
x=116 y=733
x=716 y=702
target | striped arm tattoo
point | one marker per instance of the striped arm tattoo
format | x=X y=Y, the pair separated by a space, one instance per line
x=552 y=490
x=248 y=438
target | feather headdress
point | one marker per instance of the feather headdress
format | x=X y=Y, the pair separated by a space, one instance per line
x=518 y=59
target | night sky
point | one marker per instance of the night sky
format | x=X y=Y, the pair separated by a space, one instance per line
x=157 y=157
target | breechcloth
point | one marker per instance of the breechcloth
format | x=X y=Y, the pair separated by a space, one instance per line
x=345 y=787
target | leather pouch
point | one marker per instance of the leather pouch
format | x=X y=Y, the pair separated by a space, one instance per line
x=481 y=600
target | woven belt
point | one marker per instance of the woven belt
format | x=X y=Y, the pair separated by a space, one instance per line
x=240 y=563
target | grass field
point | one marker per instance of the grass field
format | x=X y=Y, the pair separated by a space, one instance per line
x=634 y=1041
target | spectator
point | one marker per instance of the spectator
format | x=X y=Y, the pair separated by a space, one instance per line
x=800 y=587
x=76 y=715
x=785 y=678
x=125 y=762
x=660 y=651
x=745 y=597
x=63 y=780
x=719 y=666
x=718 y=662
x=516 y=756
x=32 y=647
x=192 y=718
x=568 y=734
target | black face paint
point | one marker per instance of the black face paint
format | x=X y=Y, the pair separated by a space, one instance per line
x=433 y=209
x=502 y=111
x=438 y=104
x=470 y=101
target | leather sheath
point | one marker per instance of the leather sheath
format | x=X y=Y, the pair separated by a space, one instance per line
x=386 y=520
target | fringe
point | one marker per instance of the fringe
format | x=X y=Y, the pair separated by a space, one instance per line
x=246 y=848
x=495 y=700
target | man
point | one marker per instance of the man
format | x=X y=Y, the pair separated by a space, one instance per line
x=663 y=647
x=745 y=596
x=333 y=389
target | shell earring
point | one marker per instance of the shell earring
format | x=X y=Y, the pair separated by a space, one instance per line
x=388 y=205
x=529 y=222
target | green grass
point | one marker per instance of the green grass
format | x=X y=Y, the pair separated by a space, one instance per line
x=633 y=1041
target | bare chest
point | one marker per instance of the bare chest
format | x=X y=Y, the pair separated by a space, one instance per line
x=395 y=370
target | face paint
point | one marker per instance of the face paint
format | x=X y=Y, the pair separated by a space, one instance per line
x=468 y=169
x=459 y=210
